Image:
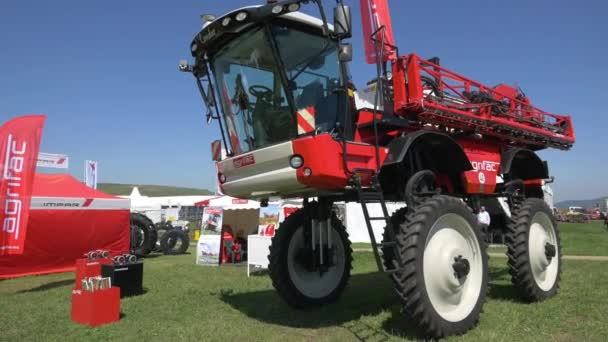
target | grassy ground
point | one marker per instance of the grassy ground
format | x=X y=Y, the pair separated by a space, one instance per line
x=192 y=303
x=577 y=239
x=584 y=238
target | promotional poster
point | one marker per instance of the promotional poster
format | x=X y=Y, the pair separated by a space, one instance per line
x=269 y=219
x=208 y=247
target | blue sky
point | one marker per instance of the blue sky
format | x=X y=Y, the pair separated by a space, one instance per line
x=105 y=73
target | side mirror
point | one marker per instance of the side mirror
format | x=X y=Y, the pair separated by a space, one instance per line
x=210 y=95
x=216 y=150
x=342 y=22
x=184 y=66
x=346 y=53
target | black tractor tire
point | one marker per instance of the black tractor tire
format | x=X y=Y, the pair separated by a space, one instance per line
x=522 y=250
x=169 y=240
x=140 y=224
x=279 y=263
x=153 y=238
x=388 y=252
x=423 y=230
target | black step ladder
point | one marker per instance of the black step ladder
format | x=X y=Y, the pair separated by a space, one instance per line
x=374 y=194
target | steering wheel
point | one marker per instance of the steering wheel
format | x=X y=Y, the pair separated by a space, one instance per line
x=261 y=92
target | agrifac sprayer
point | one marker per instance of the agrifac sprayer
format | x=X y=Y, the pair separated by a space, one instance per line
x=292 y=124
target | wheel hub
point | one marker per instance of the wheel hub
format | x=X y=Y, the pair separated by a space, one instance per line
x=550 y=251
x=311 y=260
x=311 y=278
x=461 y=267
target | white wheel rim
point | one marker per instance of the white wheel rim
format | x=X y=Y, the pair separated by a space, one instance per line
x=312 y=284
x=452 y=298
x=544 y=269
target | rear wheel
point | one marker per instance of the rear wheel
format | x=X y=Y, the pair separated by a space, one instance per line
x=534 y=250
x=298 y=273
x=445 y=276
x=140 y=234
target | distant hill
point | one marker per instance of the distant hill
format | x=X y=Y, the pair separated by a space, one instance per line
x=589 y=203
x=150 y=190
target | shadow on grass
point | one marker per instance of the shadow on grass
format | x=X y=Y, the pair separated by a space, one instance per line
x=161 y=254
x=367 y=294
x=152 y=255
x=499 y=273
x=144 y=290
x=501 y=287
x=49 y=286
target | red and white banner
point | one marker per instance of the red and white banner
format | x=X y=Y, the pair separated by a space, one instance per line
x=19 y=145
x=375 y=14
x=90 y=173
x=52 y=160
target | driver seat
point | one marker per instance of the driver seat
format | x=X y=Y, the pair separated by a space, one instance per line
x=310 y=96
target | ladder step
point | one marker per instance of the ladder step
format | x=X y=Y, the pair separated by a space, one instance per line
x=388 y=244
x=378 y=218
x=371 y=196
x=393 y=270
x=363 y=170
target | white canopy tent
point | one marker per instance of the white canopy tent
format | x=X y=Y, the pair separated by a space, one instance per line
x=152 y=207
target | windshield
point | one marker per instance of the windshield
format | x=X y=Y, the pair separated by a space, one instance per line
x=313 y=72
x=256 y=109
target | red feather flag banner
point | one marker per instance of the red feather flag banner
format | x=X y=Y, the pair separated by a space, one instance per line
x=19 y=145
x=374 y=15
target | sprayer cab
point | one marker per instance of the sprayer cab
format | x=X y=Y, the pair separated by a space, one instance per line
x=265 y=64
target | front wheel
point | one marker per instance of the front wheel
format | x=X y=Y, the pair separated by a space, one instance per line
x=307 y=270
x=444 y=277
x=534 y=250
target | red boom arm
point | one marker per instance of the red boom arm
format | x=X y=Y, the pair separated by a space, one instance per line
x=442 y=97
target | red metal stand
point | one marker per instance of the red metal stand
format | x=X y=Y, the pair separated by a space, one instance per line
x=95 y=308
x=86 y=268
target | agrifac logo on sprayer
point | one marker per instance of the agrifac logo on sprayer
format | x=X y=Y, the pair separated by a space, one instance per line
x=485 y=166
x=14 y=161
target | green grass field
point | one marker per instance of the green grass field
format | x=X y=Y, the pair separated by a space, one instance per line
x=577 y=239
x=185 y=302
x=192 y=303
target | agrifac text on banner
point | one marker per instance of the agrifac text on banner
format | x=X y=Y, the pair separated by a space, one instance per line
x=19 y=145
